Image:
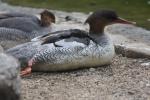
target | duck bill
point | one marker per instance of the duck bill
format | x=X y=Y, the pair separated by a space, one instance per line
x=123 y=21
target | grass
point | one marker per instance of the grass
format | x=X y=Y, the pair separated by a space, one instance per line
x=135 y=10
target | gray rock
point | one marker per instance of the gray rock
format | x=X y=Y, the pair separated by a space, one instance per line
x=9 y=78
x=133 y=50
x=130 y=41
x=130 y=32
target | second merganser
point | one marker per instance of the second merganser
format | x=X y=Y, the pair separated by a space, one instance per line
x=17 y=28
x=71 y=49
x=26 y=22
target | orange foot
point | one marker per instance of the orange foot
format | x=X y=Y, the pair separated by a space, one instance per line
x=26 y=71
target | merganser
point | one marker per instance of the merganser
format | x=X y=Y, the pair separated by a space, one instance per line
x=27 y=23
x=71 y=49
x=20 y=28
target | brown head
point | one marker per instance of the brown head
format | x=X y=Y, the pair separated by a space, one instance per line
x=47 y=18
x=99 y=19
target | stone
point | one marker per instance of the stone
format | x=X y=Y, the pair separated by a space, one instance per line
x=92 y=69
x=9 y=78
x=146 y=64
x=148 y=85
x=133 y=50
x=68 y=18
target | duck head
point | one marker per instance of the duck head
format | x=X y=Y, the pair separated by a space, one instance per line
x=47 y=18
x=99 y=19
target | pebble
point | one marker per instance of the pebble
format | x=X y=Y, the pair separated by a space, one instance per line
x=92 y=69
x=146 y=64
x=73 y=75
x=123 y=66
x=141 y=84
x=148 y=85
x=68 y=18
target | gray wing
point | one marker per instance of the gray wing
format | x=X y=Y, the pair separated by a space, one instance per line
x=12 y=37
x=12 y=34
x=24 y=52
x=65 y=34
x=22 y=23
x=17 y=14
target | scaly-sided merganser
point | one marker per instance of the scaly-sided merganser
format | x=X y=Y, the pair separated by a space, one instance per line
x=71 y=49
x=17 y=28
x=27 y=23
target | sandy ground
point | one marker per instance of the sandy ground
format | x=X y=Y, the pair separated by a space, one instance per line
x=124 y=79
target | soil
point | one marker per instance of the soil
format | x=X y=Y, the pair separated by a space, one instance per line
x=124 y=79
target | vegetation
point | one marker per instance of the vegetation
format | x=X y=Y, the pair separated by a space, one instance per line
x=135 y=10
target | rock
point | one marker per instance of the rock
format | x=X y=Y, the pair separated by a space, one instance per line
x=9 y=78
x=129 y=40
x=130 y=32
x=133 y=50
x=131 y=92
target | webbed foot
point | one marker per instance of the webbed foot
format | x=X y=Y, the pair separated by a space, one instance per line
x=26 y=71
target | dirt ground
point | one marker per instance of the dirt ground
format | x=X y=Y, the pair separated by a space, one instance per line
x=124 y=79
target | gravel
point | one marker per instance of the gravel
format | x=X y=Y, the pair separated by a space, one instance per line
x=124 y=79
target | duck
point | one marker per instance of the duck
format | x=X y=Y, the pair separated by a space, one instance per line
x=26 y=22
x=18 y=28
x=70 y=49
